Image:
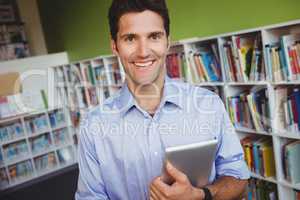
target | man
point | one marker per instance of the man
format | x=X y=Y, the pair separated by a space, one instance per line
x=122 y=142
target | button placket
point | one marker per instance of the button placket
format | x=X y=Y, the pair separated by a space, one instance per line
x=155 y=149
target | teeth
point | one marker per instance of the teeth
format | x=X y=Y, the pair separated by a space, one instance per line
x=145 y=64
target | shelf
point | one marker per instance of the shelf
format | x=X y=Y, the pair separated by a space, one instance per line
x=18 y=159
x=44 y=151
x=35 y=112
x=290 y=185
x=47 y=170
x=34 y=178
x=210 y=84
x=246 y=83
x=268 y=179
x=19 y=181
x=14 y=140
x=248 y=130
x=55 y=108
x=52 y=149
x=289 y=135
x=65 y=125
x=12 y=118
x=286 y=83
x=38 y=133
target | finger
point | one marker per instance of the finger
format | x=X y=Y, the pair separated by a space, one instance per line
x=175 y=173
x=160 y=188
x=153 y=194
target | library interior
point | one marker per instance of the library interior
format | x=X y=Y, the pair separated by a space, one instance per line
x=57 y=66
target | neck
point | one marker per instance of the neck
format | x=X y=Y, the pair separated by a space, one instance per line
x=148 y=96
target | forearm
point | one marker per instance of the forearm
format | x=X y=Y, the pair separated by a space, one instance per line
x=227 y=188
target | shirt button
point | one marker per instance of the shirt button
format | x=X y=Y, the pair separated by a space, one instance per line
x=155 y=153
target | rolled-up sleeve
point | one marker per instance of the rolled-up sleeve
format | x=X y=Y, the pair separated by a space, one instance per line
x=90 y=183
x=230 y=156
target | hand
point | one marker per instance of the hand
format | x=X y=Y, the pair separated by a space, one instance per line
x=181 y=189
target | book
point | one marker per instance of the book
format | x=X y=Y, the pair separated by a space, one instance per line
x=173 y=65
x=36 y=124
x=10 y=131
x=65 y=155
x=3 y=178
x=44 y=98
x=15 y=150
x=259 y=155
x=206 y=62
x=59 y=74
x=282 y=58
x=280 y=100
x=113 y=73
x=57 y=118
x=61 y=136
x=45 y=162
x=73 y=74
x=287 y=109
x=20 y=170
x=100 y=75
x=229 y=61
x=297 y=195
x=193 y=69
x=8 y=107
x=287 y=42
x=239 y=111
x=292 y=161
x=259 y=108
x=250 y=109
x=259 y=189
x=243 y=58
x=40 y=143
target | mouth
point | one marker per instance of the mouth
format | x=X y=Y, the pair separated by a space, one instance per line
x=142 y=64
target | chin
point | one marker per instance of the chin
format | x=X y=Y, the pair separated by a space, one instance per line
x=144 y=82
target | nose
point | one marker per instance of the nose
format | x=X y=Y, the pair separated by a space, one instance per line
x=143 y=49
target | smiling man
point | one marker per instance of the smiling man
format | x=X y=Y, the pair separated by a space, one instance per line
x=122 y=142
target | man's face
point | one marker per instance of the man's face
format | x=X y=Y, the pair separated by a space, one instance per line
x=142 y=45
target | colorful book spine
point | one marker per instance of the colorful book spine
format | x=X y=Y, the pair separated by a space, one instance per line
x=259 y=155
x=259 y=189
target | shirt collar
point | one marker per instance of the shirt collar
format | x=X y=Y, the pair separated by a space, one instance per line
x=172 y=93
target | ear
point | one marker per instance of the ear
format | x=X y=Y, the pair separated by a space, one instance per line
x=114 y=48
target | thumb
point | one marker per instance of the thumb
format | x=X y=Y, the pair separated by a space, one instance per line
x=177 y=175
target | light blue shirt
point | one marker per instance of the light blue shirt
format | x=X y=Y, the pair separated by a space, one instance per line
x=121 y=146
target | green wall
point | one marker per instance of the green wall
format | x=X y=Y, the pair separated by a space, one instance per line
x=80 y=27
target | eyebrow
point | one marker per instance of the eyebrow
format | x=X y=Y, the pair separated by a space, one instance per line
x=127 y=35
x=157 y=33
x=134 y=35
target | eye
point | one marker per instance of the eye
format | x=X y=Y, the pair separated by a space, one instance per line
x=129 y=38
x=155 y=36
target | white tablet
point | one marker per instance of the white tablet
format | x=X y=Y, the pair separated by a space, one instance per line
x=195 y=160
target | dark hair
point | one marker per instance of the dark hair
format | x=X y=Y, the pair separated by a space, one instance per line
x=121 y=7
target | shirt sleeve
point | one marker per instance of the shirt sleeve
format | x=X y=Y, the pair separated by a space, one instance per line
x=230 y=155
x=90 y=183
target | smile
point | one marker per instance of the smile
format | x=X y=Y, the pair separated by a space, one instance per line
x=144 y=64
